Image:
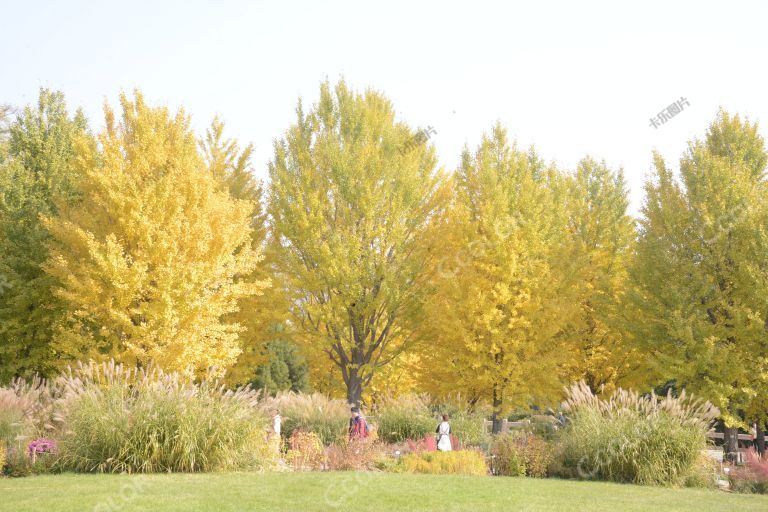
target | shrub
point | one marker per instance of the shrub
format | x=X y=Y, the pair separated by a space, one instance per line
x=326 y=417
x=633 y=438
x=507 y=457
x=752 y=477
x=17 y=464
x=704 y=473
x=461 y=462
x=519 y=454
x=355 y=455
x=543 y=426
x=116 y=419
x=306 y=451
x=404 y=418
x=3 y=451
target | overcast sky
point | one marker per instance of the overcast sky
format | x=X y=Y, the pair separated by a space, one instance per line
x=573 y=78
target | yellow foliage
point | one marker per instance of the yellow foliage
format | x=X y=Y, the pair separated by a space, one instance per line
x=150 y=260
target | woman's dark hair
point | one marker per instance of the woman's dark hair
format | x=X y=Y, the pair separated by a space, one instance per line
x=445 y=417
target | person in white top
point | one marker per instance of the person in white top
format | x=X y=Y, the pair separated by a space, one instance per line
x=444 y=435
x=277 y=423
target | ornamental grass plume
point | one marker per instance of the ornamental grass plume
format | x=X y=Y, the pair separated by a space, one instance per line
x=326 y=417
x=114 y=418
x=629 y=437
x=26 y=409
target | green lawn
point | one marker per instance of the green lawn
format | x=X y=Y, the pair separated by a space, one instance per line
x=306 y=492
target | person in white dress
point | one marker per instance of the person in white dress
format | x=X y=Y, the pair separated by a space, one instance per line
x=277 y=422
x=444 y=435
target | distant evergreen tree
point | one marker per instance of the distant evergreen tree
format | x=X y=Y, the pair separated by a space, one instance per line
x=285 y=369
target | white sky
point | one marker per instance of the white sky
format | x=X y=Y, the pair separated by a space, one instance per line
x=573 y=78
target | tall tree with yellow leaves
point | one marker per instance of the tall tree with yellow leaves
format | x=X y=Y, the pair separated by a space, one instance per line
x=604 y=236
x=151 y=260
x=507 y=294
x=262 y=315
x=701 y=272
x=353 y=195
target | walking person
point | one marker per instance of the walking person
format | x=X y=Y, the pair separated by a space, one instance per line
x=358 y=428
x=444 y=435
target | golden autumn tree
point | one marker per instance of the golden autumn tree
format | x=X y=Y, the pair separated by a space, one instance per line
x=603 y=234
x=151 y=260
x=353 y=194
x=262 y=316
x=507 y=286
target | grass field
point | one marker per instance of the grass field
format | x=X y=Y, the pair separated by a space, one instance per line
x=307 y=492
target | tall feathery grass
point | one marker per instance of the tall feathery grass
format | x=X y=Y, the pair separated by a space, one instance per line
x=405 y=417
x=316 y=413
x=26 y=409
x=118 y=419
x=634 y=438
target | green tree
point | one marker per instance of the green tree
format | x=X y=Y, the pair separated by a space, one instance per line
x=6 y=112
x=351 y=202
x=285 y=369
x=701 y=273
x=36 y=179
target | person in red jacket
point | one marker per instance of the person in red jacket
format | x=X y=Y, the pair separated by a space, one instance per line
x=358 y=428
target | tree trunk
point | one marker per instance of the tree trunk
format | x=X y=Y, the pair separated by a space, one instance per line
x=731 y=443
x=496 y=411
x=354 y=388
x=760 y=438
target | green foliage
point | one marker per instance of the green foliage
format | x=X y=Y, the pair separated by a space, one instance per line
x=507 y=457
x=403 y=418
x=316 y=413
x=631 y=438
x=700 y=285
x=351 y=214
x=460 y=462
x=36 y=179
x=285 y=369
x=116 y=419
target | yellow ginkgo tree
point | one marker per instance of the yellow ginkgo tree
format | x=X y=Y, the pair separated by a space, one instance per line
x=153 y=257
x=507 y=285
x=353 y=195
